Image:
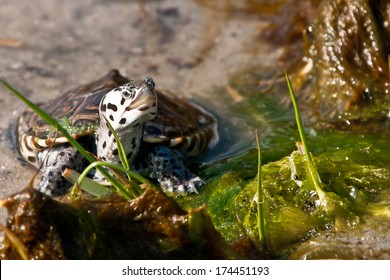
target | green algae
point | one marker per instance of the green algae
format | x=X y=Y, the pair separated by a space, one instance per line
x=352 y=160
x=354 y=179
x=352 y=166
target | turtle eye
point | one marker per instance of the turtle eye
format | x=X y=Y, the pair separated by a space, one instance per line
x=125 y=93
x=128 y=92
x=149 y=81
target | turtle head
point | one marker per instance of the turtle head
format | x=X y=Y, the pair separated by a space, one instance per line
x=129 y=105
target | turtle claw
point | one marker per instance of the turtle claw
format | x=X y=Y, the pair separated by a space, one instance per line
x=166 y=166
x=191 y=185
x=54 y=162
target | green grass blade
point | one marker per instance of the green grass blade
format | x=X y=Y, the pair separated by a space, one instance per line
x=121 y=151
x=16 y=242
x=388 y=63
x=124 y=160
x=54 y=123
x=88 y=185
x=310 y=165
x=261 y=220
x=50 y=120
x=119 y=168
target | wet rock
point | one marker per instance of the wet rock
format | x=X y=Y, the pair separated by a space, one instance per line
x=349 y=44
x=151 y=226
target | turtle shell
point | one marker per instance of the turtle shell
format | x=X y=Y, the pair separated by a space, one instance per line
x=179 y=123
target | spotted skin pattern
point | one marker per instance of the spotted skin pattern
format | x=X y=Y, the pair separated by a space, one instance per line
x=55 y=162
x=168 y=127
x=126 y=108
x=166 y=166
x=161 y=163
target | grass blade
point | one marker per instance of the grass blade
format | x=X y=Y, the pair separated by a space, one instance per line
x=90 y=186
x=388 y=63
x=261 y=221
x=17 y=243
x=54 y=123
x=121 y=151
x=119 y=168
x=309 y=161
x=135 y=189
x=50 y=120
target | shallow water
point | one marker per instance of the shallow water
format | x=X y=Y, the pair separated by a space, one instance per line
x=58 y=46
x=217 y=56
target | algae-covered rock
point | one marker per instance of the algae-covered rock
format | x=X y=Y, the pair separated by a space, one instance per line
x=151 y=226
x=355 y=178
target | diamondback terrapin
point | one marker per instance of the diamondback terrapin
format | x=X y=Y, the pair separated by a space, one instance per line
x=156 y=128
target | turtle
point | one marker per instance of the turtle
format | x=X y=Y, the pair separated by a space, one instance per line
x=157 y=128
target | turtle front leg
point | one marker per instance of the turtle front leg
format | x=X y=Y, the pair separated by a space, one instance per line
x=166 y=166
x=54 y=162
